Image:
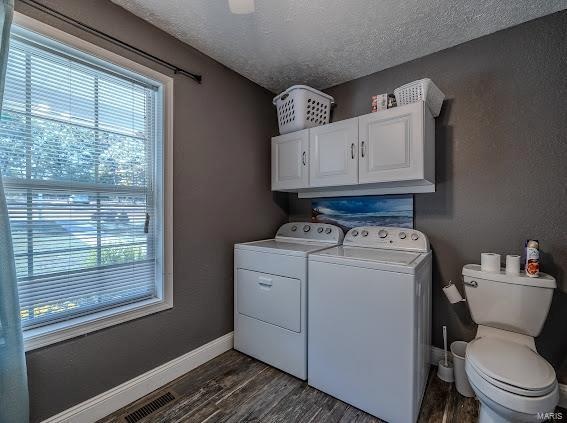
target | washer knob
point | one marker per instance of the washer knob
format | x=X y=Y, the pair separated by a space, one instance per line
x=328 y=230
x=364 y=233
x=306 y=228
x=294 y=228
x=403 y=235
x=354 y=233
x=414 y=236
x=382 y=233
x=320 y=230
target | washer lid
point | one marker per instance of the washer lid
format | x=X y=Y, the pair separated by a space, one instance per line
x=511 y=363
x=384 y=256
x=374 y=258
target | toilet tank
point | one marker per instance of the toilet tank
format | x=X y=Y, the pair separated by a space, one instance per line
x=516 y=303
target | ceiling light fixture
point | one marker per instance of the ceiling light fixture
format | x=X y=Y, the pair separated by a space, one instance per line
x=241 y=7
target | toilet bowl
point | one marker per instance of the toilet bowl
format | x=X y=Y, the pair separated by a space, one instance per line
x=510 y=379
x=512 y=382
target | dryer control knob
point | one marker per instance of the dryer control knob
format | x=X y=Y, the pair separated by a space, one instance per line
x=403 y=235
x=294 y=228
x=364 y=233
x=354 y=233
x=320 y=230
x=414 y=236
x=306 y=228
x=382 y=233
x=328 y=230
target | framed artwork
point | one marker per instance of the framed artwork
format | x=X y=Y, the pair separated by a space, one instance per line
x=350 y=212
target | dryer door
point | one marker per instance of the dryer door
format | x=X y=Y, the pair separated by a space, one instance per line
x=270 y=298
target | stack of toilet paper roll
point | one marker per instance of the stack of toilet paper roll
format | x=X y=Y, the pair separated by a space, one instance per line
x=513 y=264
x=490 y=262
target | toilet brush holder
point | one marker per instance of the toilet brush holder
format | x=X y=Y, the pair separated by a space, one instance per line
x=445 y=371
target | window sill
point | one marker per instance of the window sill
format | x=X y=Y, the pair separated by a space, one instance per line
x=61 y=331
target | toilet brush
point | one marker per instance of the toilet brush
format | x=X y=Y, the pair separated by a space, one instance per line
x=445 y=344
x=445 y=367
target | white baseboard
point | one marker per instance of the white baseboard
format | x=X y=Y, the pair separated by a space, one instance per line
x=437 y=355
x=108 y=402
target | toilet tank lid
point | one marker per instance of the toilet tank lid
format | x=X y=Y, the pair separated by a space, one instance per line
x=543 y=281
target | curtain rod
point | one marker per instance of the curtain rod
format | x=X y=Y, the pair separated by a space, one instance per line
x=71 y=21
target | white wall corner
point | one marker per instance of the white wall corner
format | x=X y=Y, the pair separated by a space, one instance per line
x=114 y=399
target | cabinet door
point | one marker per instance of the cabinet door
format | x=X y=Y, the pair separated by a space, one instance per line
x=290 y=160
x=333 y=152
x=391 y=144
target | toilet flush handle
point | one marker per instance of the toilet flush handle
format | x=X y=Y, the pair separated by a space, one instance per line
x=474 y=284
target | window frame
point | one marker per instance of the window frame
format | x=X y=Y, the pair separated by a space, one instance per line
x=56 y=332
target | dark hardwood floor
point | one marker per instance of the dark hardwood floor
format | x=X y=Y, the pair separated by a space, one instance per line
x=236 y=388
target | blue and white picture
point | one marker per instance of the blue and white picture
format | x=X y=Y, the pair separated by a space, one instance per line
x=350 y=212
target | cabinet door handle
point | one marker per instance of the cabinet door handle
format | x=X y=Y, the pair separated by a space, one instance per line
x=362 y=148
x=304 y=158
x=352 y=151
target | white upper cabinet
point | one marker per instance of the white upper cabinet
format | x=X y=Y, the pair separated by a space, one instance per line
x=391 y=145
x=290 y=161
x=388 y=152
x=333 y=153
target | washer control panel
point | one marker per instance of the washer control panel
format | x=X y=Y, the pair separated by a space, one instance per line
x=387 y=238
x=308 y=231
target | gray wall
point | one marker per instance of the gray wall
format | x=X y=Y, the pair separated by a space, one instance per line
x=501 y=174
x=221 y=196
x=501 y=160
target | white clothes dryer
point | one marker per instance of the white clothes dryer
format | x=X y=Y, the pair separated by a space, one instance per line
x=270 y=294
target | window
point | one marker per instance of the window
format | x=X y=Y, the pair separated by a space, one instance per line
x=81 y=155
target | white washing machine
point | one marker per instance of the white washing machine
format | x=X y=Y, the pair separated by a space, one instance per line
x=270 y=294
x=370 y=321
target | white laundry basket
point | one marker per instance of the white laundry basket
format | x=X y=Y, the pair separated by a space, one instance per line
x=301 y=107
x=422 y=89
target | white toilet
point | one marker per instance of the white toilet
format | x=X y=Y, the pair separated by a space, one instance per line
x=511 y=380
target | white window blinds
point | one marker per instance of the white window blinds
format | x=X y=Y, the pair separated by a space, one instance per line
x=78 y=145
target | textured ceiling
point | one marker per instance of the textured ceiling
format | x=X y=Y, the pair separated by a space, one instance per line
x=325 y=42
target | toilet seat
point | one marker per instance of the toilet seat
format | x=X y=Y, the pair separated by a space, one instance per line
x=530 y=405
x=512 y=367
